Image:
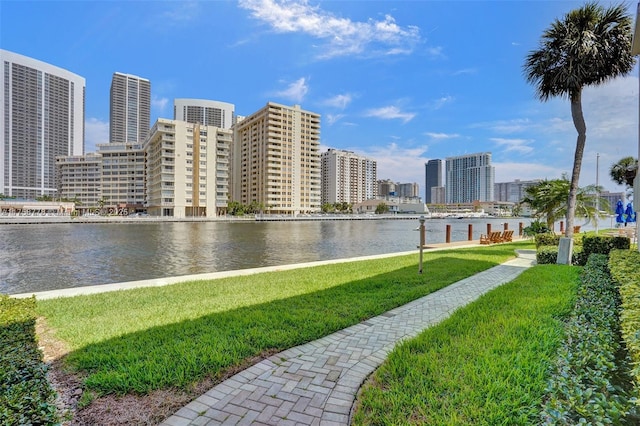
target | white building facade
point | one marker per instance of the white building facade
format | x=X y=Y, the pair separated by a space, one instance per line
x=79 y=180
x=187 y=169
x=122 y=177
x=276 y=160
x=469 y=178
x=347 y=177
x=41 y=117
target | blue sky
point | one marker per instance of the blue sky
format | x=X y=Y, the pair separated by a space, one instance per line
x=400 y=82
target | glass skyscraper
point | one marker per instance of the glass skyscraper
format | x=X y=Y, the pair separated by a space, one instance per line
x=130 y=108
x=433 y=178
x=469 y=178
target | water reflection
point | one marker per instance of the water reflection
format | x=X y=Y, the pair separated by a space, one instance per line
x=52 y=256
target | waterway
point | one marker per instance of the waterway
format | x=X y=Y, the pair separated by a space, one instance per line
x=40 y=257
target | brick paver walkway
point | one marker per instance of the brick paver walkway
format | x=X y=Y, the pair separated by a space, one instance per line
x=316 y=383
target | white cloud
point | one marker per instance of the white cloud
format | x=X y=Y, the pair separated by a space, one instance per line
x=338 y=101
x=180 y=12
x=514 y=145
x=442 y=136
x=95 y=132
x=295 y=91
x=333 y=118
x=159 y=103
x=390 y=113
x=398 y=163
x=439 y=103
x=466 y=71
x=507 y=126
x=435 y=51
x=510 y=171
x=342 y=35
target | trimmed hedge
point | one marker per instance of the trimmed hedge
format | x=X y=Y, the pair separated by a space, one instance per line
x=586 y=385
x=626 y=273
x=547 y=247
x=547 y=239
x=603 y=244
x=26 y=397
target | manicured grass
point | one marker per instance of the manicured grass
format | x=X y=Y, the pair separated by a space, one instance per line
x=485 y=365
x=150 y=338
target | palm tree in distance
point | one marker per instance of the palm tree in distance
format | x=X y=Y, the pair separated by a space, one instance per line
x=589 y=47
x=624 y=171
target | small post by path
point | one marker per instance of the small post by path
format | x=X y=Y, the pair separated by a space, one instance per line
x=520 y=229
x=506 y=226
x=470 y=232
x=422 y=242
x=448 y=234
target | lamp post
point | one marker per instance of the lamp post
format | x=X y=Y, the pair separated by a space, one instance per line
x=597 y=192
x=635 y=50
x=422 y=241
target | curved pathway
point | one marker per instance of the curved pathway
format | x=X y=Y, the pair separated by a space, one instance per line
x=316 y=383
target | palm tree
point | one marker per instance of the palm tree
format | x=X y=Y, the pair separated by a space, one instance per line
x=548 y=200
x=589 y=47
x=624 y=171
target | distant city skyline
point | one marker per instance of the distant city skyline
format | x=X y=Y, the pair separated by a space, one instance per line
x=392 y=81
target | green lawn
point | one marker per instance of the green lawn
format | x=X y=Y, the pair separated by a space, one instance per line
x=138 y=340
x=487 y=364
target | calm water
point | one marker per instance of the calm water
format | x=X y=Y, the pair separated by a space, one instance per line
x=53 y=256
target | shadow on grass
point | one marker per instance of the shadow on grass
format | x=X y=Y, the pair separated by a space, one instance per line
x=180 y=354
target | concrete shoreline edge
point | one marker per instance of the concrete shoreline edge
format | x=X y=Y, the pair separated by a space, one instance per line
x=157 y=282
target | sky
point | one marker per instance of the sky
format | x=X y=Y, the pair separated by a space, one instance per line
x=400 y=82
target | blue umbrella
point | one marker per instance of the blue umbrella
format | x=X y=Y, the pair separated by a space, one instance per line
x=631 y=215
x=619 y=212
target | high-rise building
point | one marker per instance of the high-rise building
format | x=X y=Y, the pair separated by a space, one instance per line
x=79 y=180
x=408 y=190
x=202 y=111
x=130 y=109
x=610 y=200
x=347 y=177
x=42 y=117
x=433 y=179
x=122 y=176
x=386 y=188
x=276 y=160
x=187 y=169
x=513 y=192
x=469 y=178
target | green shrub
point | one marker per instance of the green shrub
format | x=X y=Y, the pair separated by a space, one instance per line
x=534 y=228
x=626 y=274
x=547 y=239
x=26 y=396
x=603 y=244
x=549 y=255
x=585 y=387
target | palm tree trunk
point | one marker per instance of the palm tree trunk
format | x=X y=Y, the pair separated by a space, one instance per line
x=581 y=128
